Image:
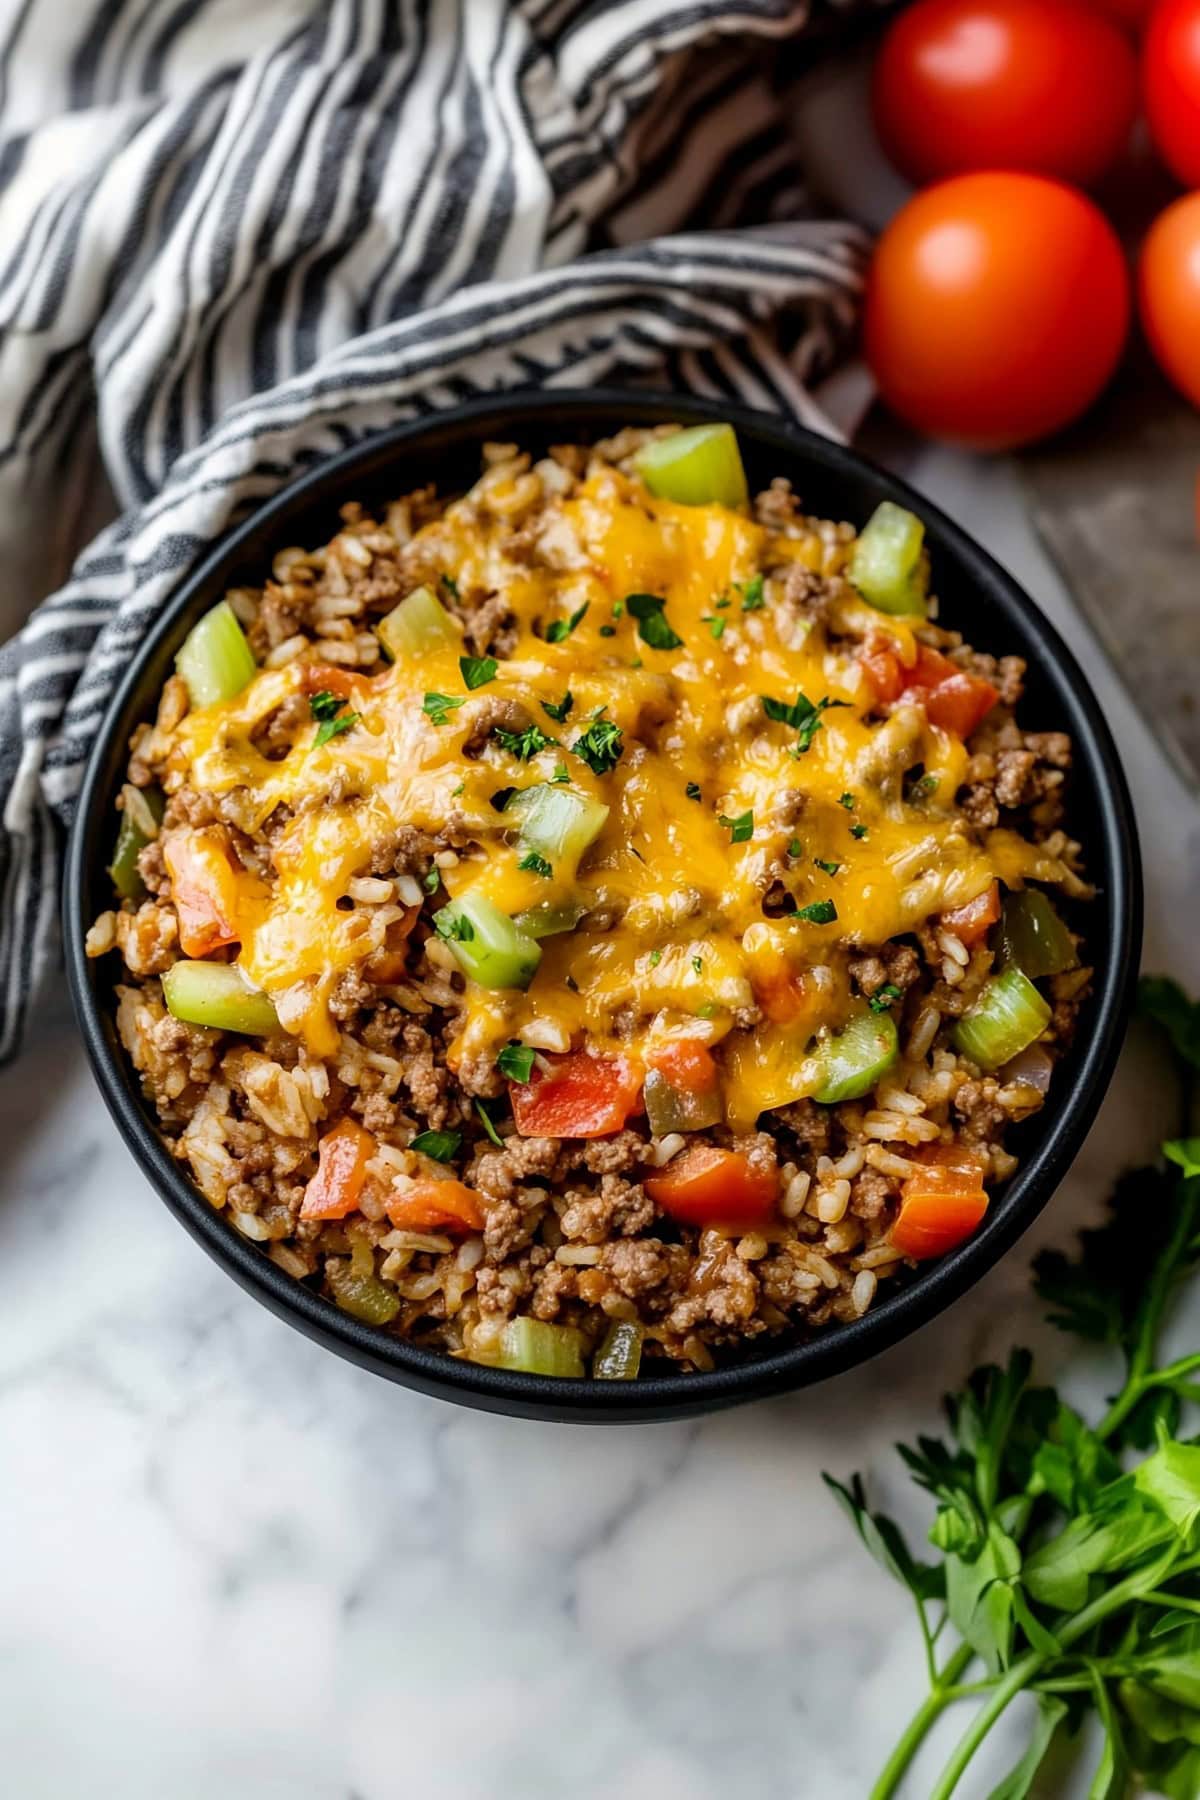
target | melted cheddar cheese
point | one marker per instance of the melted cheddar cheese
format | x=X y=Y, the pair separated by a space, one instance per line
x=675 y=937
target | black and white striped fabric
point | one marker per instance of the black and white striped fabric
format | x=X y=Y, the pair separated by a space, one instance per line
x=234 y=238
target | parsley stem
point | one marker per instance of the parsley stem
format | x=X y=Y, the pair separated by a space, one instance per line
x=1142 y=1374
x=921 y=1723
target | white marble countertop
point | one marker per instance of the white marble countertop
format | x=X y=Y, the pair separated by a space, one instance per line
x=231 y=1564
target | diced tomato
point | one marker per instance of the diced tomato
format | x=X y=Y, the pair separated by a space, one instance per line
x=704 y=1186
x=942 y=1204
x=204 y=889
x=342 y=1158
x=780 y=991
x=583 y=1096
x=436 y=1206
x=391 y=962
x=327 y=678
x=687 y=1064
x=883 y=669
x=974 y=920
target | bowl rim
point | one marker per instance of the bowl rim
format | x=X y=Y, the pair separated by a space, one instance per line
x=1113 y=860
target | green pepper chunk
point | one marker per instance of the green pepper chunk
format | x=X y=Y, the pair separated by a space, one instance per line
x=556 y=822
x=364 y=1297
x=698 y=467
x=886 y=564
x=675 y=1109
x=550 y=920
x=537 y=1348
x=487 y=945
x=141 y=815
x=418 y=625
x=218 y=995
x=1008 y=1016
x=620 y=1355
x=857 y=1058
x=1033 y=938
x=215 y=660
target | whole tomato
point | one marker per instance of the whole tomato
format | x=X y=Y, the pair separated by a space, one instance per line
x=996 y=309
x=1169 y=293
x=1045 y=85
x=1171 y=85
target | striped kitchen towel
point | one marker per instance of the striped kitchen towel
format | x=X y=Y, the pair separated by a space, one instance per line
x=236 y=235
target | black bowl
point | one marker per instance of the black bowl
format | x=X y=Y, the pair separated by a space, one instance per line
x=976 y=595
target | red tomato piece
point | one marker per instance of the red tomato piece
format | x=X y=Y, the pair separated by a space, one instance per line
x=954 y=700
x=974 y=920
x=1043 y=85
x=327 y=678
x=942 y=1204
x=1171 y=86
x=204 y=890
x=1028 y=268
x=342 y=1158
x=687 y=1064
x=1169 y=293
x=883 y=669
x=437 y=1206
x=584 y=1096
x=705 y=1186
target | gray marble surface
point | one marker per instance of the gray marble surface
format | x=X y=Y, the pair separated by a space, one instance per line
x=232 y=1565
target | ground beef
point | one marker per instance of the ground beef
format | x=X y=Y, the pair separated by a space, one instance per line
x=778 y=507
x=492 y=713
x=983 y=1118
x=499 y=1173
x=620 y=1207
x=613 y=1155
x=894 y=965
x=148 y=939
x=640 y=1266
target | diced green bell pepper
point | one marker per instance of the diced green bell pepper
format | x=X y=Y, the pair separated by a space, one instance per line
x=418 y=625
x=1008 y=1016
x=857 y=1058
x=676 y=1109
x=364 y=1297
x=141 y=815
x=886 y=564
x=218 y=995
x=556 y=822
x=541 y=1349
x=215 y=660
x=550 y=920
x=1033 y=937
x=698 y=467
x=620 y=1355
x=487 y=945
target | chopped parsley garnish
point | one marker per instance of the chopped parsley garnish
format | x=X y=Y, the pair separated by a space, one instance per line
x=325 y=708
x=515 y=1062
x=858 y=831
x=600 y=746
x=558 y=629
x=917 y=784
x=883 y=997
x=698 y=964
x=635 y=662
x=456 y=928
x=795 y=848
x=477 y=671
x=721 y=602
x=431 y=881
x=438 y=706
x=559 y=710
x=752 y=593
x=456 y=791
x=818 y=912
x=848 y=801
x=485 y=1118
x=653 y=627
x=692 y=790
x=655 y=958
x=708 y=1010
x=739 y=829
x=533 y=864
x=608 y=631
x=523 y=744
x=715 y=625
x=450 y=585
x=618 y=609
x=560 y=776
x=830 y=868
x=442 y=1146
x=802 y=715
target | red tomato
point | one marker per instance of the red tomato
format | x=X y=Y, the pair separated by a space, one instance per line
x=436 y=1206
x=584 y=1097
x=704 y=1186
x=974 y=920
x=1169 y=293
x=941 y=1204
x=204 y=890
x=954 y=700
x=687 y=1064
x=1171 y=86
x=996 y=310
x=342 y=1158
x=1045 y=85
x=883 y=669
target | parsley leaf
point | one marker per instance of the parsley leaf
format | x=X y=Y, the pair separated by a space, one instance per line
x=858 y=831
x=331 y=728
x=653 y=627
x=442 y=1146
x=455 y=927
x=450 y=585
x=558 y=629
x=515 y=1062
x=739 y=829
x=559 y=710
x=431 y=881
x=655 y=958
x=607 y=631
x=715 y=625
x=618 y=609
x=698 y=964
x=883 y=997
x=325 y=705
x=752 y=593
x=485 y=1118
x=560 y=776
x=534 y=864
x=693 y=790
x=818 y=912
x=523 y=744
x=721 y=602
x=439 y=706
x=477 y=671
x=600 y=746
x=830 y=868
x=795 y=848
x=325 y=708
x=803 y=715
x=848 y=801
x=1165 y=1002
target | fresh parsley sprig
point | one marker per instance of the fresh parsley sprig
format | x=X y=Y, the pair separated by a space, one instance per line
x=1068 y=1567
